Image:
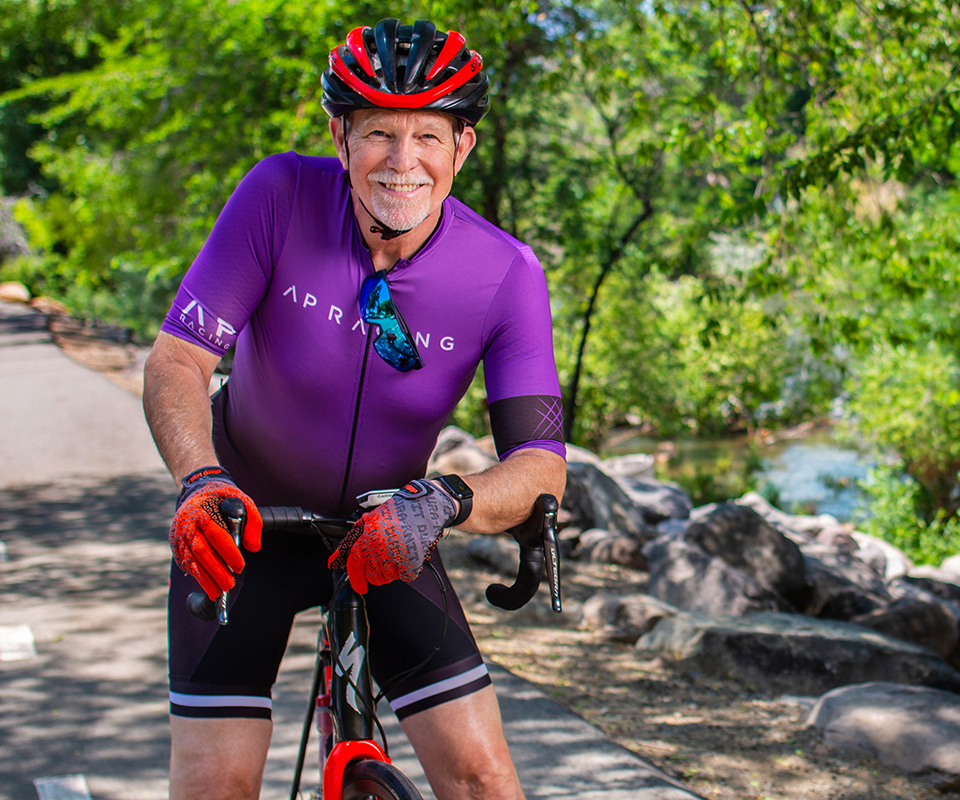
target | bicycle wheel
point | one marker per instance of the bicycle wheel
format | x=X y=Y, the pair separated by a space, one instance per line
x=377 y=780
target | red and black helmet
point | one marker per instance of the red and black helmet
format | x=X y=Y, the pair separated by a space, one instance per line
x=407 y=67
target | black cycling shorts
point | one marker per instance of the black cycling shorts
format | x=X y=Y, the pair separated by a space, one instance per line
x=229 y=671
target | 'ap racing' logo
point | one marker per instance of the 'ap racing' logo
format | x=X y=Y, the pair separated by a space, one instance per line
x=218 y=332
x=310 y=302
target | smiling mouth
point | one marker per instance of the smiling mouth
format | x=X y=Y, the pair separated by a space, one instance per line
x=402 y=188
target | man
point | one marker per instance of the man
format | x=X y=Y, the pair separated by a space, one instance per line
x=333 y=393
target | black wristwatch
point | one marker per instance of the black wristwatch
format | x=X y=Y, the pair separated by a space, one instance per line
x=458 y=489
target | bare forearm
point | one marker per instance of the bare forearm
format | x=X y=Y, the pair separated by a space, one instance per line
x=503 y=496
x=177 y=408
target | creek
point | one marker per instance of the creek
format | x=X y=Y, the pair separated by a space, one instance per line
x=813 y=473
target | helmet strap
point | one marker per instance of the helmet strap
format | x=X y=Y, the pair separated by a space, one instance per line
x=457 y=136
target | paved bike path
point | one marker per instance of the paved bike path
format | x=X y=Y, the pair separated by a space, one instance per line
x=84 y=505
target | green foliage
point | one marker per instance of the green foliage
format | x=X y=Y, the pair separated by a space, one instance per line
x=875 y=261
x=874 y=273
x=144 y=147
x=471 y=413
x=652 y=362
x=39 y=40
x=896 y=515
x=907 y=399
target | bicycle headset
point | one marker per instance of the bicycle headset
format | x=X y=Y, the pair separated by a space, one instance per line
x=407 y=67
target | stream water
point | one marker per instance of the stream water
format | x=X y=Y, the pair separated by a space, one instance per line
x=814 y=474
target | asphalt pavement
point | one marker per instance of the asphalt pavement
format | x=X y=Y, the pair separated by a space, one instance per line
x=84 y=506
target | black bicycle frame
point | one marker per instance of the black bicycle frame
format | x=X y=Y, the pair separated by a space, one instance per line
x=351 y=683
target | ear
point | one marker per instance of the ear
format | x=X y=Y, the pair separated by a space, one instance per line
x=338 y=134
x=468 y=140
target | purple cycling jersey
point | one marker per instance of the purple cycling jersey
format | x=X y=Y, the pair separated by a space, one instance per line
x=311 y=415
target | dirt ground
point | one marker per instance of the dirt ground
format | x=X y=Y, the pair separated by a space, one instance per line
x=724 y=740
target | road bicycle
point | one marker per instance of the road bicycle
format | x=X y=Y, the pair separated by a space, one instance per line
x=353 y=764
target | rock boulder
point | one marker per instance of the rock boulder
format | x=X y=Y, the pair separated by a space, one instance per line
x=794 y=654
x=913 y=728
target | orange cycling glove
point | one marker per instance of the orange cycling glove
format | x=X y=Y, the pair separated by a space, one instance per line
x=394 y=540
x=202 y=546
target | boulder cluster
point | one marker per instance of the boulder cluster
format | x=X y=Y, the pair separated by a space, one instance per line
x=800 y=605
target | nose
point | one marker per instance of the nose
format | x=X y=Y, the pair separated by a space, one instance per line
x=402 y=156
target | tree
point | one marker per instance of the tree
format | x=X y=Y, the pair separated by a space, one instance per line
x=40 y=40
x=145 y=146
x=644 y=172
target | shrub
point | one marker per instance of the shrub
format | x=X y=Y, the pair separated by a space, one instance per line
x=894 y=501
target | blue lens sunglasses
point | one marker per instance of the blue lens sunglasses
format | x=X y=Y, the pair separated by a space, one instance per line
x=393 y=344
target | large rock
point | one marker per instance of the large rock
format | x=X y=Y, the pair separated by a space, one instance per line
x=936 y=583
x=682 y=574
x=792 y=653
x=905 y=590
x=887 y=560
x=500 y=553
x=805 y=526
x=922 y=588
x=606 y=547
x=746 y=541
x=595 y=500
x=925 y=623
x=912 y=728
x=839 y=538
x=634 y=465
x=951 y=567
x=14 y=291
x=579 y=455
x=658 y=500
x=457 y=452
x=624 y=618
x=840 y=585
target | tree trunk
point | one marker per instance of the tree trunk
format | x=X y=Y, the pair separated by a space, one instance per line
x=614 y=254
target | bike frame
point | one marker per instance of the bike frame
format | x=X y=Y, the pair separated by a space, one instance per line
x=344 y=670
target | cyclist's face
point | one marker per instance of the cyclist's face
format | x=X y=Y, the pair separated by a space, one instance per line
x=402 y=163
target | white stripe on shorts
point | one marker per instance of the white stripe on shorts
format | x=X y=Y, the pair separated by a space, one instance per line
x=219 y=700
x=439 y=687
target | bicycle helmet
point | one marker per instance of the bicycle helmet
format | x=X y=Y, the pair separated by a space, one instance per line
x=406 y=67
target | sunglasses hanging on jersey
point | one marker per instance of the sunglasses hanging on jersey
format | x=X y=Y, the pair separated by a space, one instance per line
x=393 y=344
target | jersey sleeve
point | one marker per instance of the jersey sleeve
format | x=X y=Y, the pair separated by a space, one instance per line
x=228 y=279
x=519 y=368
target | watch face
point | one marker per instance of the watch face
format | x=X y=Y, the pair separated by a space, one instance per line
x=457 y=485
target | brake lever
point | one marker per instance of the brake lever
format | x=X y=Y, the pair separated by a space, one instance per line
x=551 y=549
x=235 y=516
x=201 y=606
